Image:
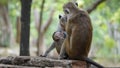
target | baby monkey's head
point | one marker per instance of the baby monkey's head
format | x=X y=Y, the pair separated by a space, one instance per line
x=62 y=21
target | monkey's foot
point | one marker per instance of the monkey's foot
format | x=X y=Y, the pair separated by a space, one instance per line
x=42 y=55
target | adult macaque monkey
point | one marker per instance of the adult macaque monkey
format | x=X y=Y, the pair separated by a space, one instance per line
x=79 y=34
x=58 y=37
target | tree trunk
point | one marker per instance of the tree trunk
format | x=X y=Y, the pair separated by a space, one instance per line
x=40 y=47
x=40 y=39
x=25 y=27
x=18 y=29
x=44 y=28
x=5 y=27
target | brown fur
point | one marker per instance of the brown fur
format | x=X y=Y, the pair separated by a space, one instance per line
x=79 y=32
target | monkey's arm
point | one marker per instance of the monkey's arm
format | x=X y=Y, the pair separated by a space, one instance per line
x=49 y=49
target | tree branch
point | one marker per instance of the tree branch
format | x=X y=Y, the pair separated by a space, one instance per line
x=41 y=62
x=41 y=14
x=95 y=5
x=39 y=27
x=49 y=21
x=15 y=66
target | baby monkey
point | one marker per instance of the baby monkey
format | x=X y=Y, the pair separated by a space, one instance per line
x=79 y=34
x=58 y=37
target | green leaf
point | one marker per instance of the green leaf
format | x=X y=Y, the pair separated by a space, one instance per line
x=109 y=42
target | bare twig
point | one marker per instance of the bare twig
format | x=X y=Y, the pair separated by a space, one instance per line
x=94 y=6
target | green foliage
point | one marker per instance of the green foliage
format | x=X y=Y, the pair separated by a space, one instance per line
x=109 y=42
x=116 y=16
x=104 y=14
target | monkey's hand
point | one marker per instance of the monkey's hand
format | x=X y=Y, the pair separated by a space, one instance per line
x=48 y=50
x=58 y=35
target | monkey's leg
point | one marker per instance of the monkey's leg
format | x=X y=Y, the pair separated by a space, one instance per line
x=62 y=51
x=49 y=49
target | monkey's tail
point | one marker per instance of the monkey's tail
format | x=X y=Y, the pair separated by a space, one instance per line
x=88 y=60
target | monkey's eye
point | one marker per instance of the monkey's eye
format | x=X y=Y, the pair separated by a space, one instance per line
x=66 y=11
x=76 y=4
x=60 y=16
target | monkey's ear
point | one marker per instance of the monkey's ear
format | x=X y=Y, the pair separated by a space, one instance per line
x=76 y=4
x=60 y=16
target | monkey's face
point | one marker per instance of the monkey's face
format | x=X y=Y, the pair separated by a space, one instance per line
x=69 y=9
x=63 y=20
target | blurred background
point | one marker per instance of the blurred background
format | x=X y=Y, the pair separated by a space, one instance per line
x=105 y=18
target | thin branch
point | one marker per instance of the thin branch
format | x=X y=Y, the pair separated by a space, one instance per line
x=95 y=5
x=41 y=14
